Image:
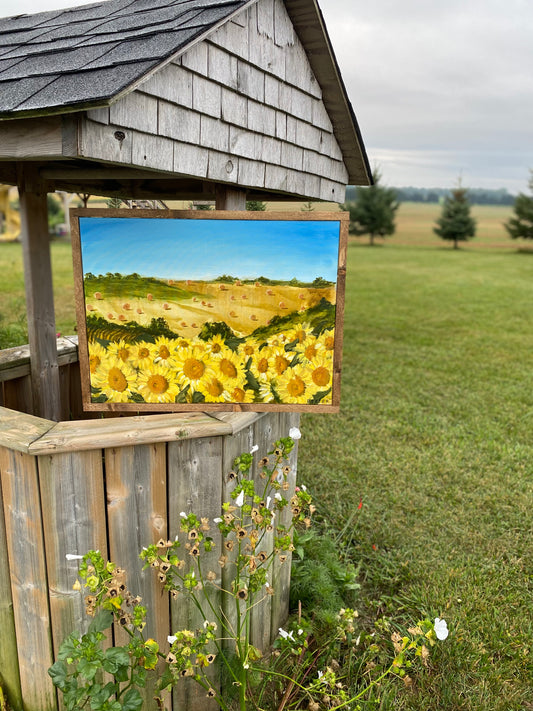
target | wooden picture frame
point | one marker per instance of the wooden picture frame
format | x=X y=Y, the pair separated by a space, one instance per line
x=183 y=310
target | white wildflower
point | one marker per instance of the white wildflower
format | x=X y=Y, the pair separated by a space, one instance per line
x=286 y=635
x=254 y=449
x=183 y=514
x=217 y=520
x=441 y=628
x=239 y=501
x=295 y=433
x=171 y=638
x=72 y=556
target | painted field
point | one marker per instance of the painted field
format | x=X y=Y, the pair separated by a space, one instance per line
x=166 y=341
x=187 y=305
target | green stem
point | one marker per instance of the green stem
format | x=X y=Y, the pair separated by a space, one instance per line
x=364 y=691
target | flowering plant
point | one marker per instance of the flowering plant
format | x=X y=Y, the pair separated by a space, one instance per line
x=109 y=678
x=251 y=545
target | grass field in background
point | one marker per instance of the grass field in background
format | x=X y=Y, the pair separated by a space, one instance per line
x=435 y=434
x=13 y=329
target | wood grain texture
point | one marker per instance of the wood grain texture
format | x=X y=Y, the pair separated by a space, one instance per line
x=153 y=152
x=25 y=546
x=137 y=516
x=179 y=123
x=266 y=432
x=31 y=138
x=15 y=362
x=98 y=141
x=233 y=446
x=18 y=430
x=18 y=394
x=74 y=521
x=281 y=572
x=9 y=666
x=39 y=295
x=122 y=432
x=173 y=83
x=135 y=110
x=195 y=485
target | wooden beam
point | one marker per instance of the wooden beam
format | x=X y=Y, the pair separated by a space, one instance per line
x=31 y=138
x=228 y=198
x=39 y=294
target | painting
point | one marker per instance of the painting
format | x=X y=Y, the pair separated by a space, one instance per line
x=209 y=310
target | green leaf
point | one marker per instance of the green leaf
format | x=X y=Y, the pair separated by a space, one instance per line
x=132 y=700
x=69 y=648
x=58 y=672
x=88 y=668
x=115 y=658
x=101 y=622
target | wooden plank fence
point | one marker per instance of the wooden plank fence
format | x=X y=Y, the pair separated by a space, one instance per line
x=114 y=485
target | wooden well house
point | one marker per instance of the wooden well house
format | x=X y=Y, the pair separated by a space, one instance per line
x=225 y=100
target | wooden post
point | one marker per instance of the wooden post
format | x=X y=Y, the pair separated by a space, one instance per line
x=39 y=294
x=230 y=198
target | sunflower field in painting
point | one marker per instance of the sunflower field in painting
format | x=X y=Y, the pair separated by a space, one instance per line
x=222 y=341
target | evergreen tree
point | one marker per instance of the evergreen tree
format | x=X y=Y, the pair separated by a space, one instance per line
x=114 y=203
x=521 y=225
x=256 y=205
x=373 y=211
x=456 y=222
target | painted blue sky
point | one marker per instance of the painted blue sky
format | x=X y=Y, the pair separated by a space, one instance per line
x=206 y=248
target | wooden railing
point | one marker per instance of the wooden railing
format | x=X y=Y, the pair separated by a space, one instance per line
x=15 y=380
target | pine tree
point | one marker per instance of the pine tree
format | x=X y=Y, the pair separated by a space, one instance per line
x=456 y=223
x=521 y=225
x=256 y=205
x=373 y=211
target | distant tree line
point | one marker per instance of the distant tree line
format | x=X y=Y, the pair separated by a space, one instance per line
x=476 y=196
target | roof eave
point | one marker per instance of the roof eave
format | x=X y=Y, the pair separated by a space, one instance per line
x=309 y=24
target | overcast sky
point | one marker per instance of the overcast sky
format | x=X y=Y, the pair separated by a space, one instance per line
x=441 y=88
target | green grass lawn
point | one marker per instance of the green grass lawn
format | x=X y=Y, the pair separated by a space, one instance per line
x=435 y=434
x=13 y=330
x=415 y=222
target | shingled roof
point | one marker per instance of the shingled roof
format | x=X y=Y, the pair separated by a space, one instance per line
x=62 y=60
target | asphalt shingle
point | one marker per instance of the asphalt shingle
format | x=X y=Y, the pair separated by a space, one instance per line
x=85 y=56
x=87 y=86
